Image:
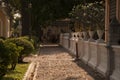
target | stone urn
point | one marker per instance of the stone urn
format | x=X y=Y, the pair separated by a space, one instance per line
x=77 y=36
x=100 y=34
x=84 y=35
x=80 y=35
x=91 y=34
x=72 y=36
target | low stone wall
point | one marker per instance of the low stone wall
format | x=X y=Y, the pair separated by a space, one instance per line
x=96 y=54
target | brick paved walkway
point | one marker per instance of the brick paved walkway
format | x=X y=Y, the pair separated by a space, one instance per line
x=54 y=63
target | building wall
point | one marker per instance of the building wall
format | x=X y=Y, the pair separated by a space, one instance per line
x=4 y=24
x=112 y=8
x=52 y=33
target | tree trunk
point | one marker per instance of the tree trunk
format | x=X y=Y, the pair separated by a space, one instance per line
x=25 y=18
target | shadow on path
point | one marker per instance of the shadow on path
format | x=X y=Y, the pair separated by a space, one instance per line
x=55 y=63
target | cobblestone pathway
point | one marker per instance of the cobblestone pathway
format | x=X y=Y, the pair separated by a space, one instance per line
x=54 y=63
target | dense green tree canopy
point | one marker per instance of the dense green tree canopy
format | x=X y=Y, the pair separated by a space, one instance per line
x=49 y=10
x=44 y=11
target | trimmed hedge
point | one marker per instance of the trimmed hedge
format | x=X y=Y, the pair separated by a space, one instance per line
x=9 y=53
x=4 y=59
x=34 y=40
x=12 y=51
x=27 y=46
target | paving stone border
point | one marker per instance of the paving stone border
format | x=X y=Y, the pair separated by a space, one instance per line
x=35 y=72
x=30 y=72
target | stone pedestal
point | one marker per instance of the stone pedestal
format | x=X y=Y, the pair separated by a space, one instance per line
x=86 y=54
x=61 y=35
x=114 y=41
x=116 y=72
x=80 y=48
x=71 y=42
x=103 y=58
x=93 y=62
x=75 y=42
x=66 y=40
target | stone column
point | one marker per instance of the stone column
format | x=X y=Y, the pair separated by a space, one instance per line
x=113 y=39
x=107 y=6
x=118 y=10
x=80 y=46
x=71 y=42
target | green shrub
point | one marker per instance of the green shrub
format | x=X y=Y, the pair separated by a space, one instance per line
x=33 y=40
x=14 y=51
x=27 y=38
x=27 y=46
x=9 y=53
x=4 y=58
x=36 y=41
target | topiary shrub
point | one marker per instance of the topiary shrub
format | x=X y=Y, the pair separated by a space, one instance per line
x=4 y=58
x=9 y=53
x=14 y=51
x=27 y=38
x=27 y=47
x=33 y=39
x=36 y=41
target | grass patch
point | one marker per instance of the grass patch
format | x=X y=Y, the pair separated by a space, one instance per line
x=18 y=73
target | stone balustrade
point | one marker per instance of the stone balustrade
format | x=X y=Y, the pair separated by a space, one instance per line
x=94 y=53
x=73 y=42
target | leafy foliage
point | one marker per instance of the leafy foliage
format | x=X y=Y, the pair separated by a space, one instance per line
x=15 y=4
x=4 y=59
x=27 y=46
x=90 y=15
x=43 y=12
x=9 y=53
x=14 y=51
x=33 y=40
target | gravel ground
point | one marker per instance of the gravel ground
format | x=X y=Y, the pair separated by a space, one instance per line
x=55 y=63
